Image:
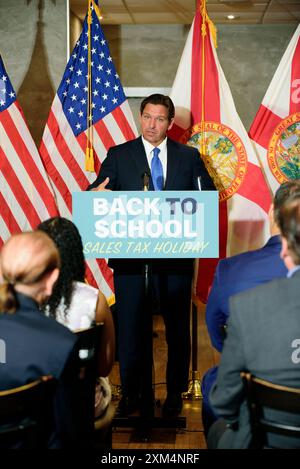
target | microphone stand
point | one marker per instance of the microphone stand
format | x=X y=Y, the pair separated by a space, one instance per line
x=147 y=419
x=147 y=392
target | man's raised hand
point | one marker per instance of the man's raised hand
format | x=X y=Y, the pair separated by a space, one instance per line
x=102 y=186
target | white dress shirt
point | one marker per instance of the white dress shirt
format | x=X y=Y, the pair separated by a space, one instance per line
x=162 y=154
x=293 y=271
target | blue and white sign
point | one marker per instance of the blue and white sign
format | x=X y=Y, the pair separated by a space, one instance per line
x=147 y=224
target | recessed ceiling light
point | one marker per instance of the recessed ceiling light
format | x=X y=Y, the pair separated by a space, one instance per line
x=231 y=17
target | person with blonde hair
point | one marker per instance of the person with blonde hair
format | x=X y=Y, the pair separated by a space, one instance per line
x=26 y=259
x=34 y=344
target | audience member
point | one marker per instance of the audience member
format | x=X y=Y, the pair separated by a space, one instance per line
x=236 y=274
x=36 y=345
x=77 y=305
x=263 y=326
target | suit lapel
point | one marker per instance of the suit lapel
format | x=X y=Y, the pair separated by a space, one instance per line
x=173 y=164
x=138 y=154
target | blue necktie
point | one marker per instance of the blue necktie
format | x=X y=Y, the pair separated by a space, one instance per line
x=157 y=171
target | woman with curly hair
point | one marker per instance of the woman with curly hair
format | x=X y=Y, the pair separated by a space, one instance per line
x=77 y=305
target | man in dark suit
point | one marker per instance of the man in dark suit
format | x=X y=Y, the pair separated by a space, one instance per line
x=37 y=345
x=179 y=168
x=263 y=329
x=236 y=274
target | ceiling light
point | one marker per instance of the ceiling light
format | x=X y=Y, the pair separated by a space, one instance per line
x=231 y=17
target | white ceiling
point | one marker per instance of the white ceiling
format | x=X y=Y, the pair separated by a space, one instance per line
x=182 y=11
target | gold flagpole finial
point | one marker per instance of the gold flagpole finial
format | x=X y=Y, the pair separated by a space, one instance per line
x=211 y=25
x=97 y=9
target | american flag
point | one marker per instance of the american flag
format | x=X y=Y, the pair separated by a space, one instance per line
x=64 y=140
x=26 y=196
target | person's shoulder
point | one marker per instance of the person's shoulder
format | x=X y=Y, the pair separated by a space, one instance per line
x=239 y=260
x=264 y=261
x=57 y=330
x=267 y=293
x=84 y=292
x=84 y=287
x=124 y=146
x=252 y=309
x=227 y=264
x=46 y=330
x=183 y=148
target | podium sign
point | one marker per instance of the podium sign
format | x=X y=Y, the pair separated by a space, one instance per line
x=147 y=224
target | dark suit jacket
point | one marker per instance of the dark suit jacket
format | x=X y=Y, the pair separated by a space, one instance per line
x=263 y=324
x=37 y=345
x=125 y=165
x=236 y=274
x=233 y=275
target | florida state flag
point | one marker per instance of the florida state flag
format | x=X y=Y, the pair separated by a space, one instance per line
x=275 y=131
x=207 y=119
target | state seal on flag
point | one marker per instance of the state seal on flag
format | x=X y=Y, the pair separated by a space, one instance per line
x=223 y=153
x=284 y=149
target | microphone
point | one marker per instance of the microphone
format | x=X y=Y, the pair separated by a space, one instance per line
x=146 y=181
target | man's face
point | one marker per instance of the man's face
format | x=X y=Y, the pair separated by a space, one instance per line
x=155 y=123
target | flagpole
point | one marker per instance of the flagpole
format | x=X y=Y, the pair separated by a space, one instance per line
x=89 y=157
x=194 y=389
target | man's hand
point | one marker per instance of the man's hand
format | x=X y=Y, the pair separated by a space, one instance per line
x=102 y=186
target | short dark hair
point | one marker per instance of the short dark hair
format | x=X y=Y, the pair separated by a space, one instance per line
x=283 y=193
x=159 y=99
x=289 y=224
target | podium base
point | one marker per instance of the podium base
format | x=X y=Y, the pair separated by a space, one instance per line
x=194 y=391
x=144 y=426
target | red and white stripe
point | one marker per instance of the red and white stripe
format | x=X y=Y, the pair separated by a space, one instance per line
x=246 y=211
x=281 y=100
x=63 y=155
x=26 y=196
